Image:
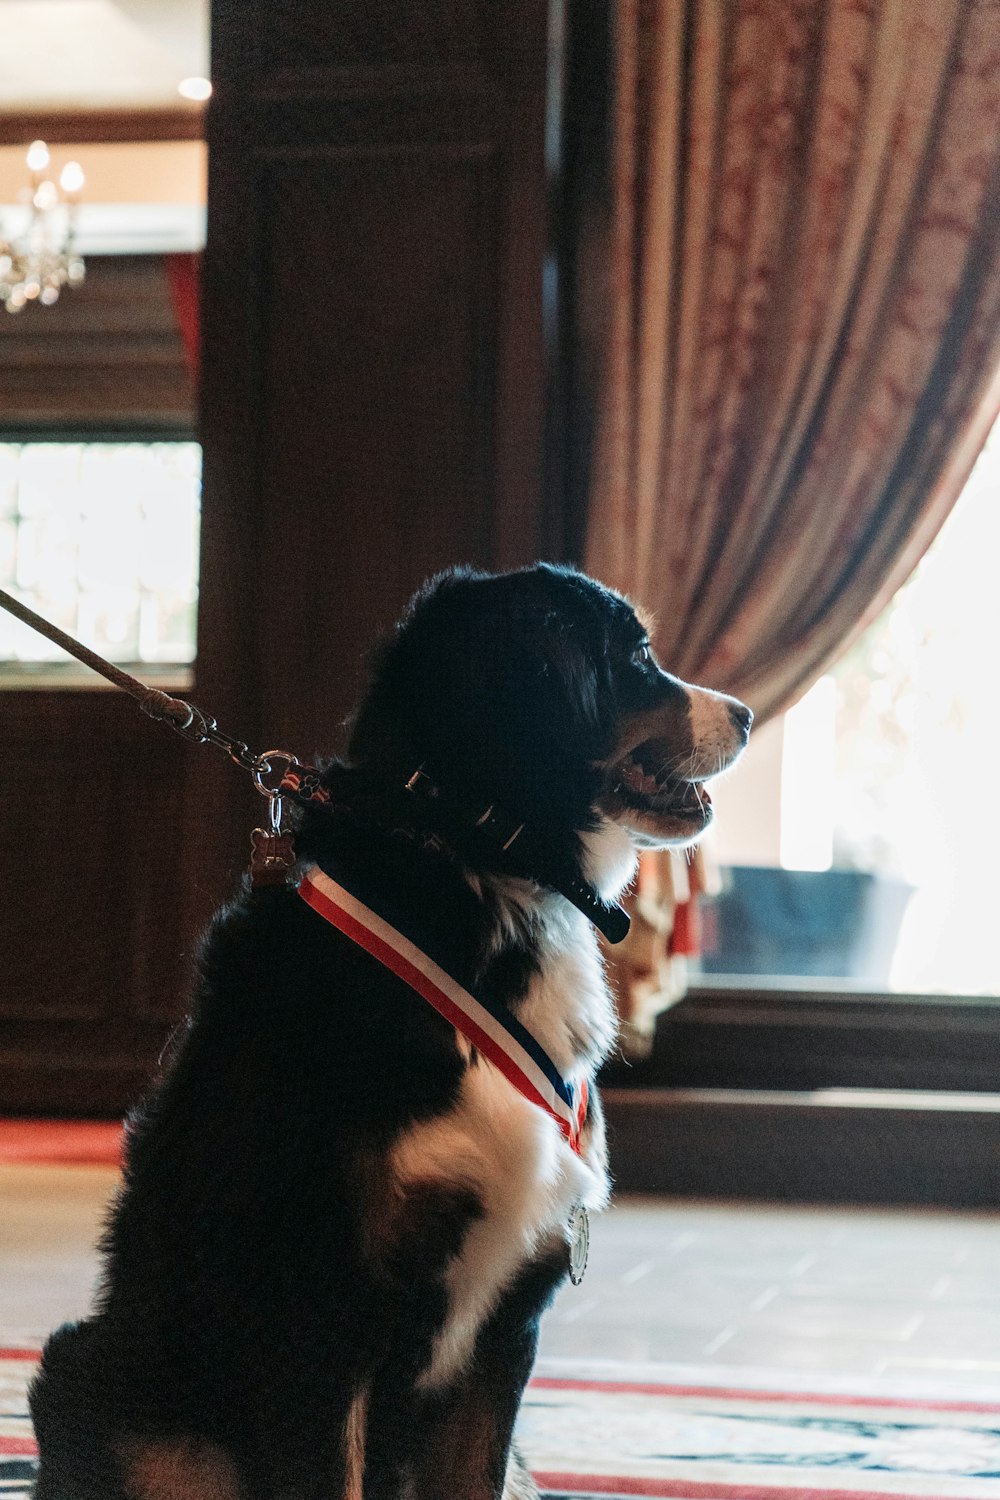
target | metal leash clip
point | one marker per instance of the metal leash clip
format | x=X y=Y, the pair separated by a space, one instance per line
x=197 y=726
x=272 y=853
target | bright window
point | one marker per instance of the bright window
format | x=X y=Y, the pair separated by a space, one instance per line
x=101 y=539
x=889 y=804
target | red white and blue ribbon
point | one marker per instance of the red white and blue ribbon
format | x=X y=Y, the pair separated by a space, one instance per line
x=489 y=1026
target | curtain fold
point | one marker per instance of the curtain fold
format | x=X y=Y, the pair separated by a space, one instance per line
x=802 y=332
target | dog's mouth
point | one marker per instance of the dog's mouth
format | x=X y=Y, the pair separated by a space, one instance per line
x=646 y=780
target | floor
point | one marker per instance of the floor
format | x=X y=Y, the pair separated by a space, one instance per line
x=902 y=1296
x=726 y=1291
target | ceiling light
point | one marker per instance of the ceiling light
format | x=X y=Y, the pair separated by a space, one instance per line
x=40 y=262
x=194 y=88
x=71 y=177
x=38 y=156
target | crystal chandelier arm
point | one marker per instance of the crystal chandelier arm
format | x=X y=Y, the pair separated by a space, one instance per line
x=36 y=265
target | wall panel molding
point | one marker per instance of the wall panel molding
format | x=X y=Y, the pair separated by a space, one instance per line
x=107 y=356
x=378 y=193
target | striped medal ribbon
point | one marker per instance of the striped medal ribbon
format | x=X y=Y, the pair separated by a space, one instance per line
x=489 y=1026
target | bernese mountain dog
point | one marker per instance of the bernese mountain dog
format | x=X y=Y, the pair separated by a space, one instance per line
x=342 y=1216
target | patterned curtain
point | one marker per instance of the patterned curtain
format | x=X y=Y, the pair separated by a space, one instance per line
x=800 y=348
x=803 y=305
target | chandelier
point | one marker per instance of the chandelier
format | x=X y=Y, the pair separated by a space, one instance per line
x=36 y=264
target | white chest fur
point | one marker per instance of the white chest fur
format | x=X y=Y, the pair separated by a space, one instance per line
x=509 y=1152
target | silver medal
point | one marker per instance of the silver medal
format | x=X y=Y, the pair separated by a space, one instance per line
x=579 y=1242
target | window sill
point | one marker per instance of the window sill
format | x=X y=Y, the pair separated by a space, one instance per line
x=28 y=676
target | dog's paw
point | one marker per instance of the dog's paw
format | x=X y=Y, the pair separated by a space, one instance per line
x=519 y=1484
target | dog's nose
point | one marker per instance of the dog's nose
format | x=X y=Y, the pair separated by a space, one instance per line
x=742 y=717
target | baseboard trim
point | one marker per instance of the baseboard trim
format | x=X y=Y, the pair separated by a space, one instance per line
x=821 y=1146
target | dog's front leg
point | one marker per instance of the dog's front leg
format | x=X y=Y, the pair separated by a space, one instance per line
x=519 y=1484
x=464 y=1450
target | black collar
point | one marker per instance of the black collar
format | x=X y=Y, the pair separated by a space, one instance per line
x=499 y=839
x=518 y=851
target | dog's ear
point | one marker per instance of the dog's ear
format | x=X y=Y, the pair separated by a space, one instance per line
x=494 y=679
x=553 y=649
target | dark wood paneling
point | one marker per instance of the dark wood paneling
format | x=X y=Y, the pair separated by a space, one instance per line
x=393 y=405
x=896 y=1148
x=373 y=397
x=381 y=35
x=183 y=122
x=727 y=1035
x=373 y=394
x=93 y=1072
x=107 y=356
x=96 y=948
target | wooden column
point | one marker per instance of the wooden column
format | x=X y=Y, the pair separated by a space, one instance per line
x=374 y=370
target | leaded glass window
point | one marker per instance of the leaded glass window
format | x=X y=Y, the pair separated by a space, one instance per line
x=102 y=539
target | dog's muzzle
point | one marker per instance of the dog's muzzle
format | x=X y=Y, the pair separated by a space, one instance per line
x=655 y=783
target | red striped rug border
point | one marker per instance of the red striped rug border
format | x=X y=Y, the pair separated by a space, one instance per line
x=705 y=1392
x=735 y=1393
x=694 y=1489
x=18 y=1447
x=643 y=1489
x=613 y=1485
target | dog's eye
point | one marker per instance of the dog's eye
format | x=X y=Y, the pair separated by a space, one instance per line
x=641 y=656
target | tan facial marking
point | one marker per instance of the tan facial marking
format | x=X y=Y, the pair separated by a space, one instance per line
x=184 y=1470
x=355 y=1430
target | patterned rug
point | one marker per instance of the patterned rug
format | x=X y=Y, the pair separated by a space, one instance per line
x=646 y=1431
